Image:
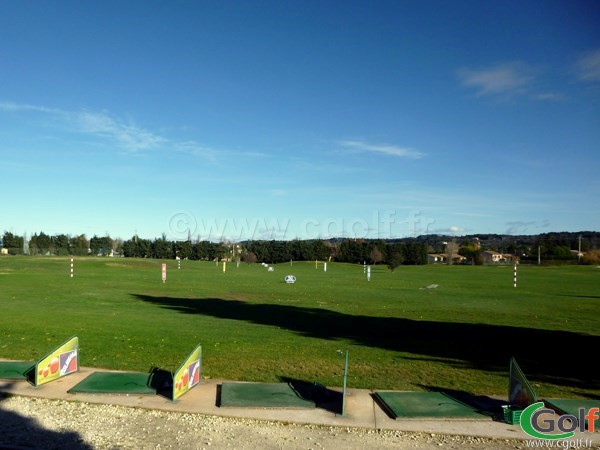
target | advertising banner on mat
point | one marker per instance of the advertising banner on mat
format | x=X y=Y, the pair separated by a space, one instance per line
x=188 y=374
x=62 y=361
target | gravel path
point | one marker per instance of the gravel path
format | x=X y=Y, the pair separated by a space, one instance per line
x=27 y=423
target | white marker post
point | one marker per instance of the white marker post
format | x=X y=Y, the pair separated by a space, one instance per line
x=71 y=267
x=164 y=272
x=224 y=267
x=515 y=276
x=369 y=273
x=324 y=267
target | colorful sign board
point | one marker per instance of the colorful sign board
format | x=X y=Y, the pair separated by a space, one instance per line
x=164 y=272
x=188 y=374
x=62 y=361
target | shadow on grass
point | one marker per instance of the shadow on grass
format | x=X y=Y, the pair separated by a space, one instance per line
x=560 y=357
x=17 y=431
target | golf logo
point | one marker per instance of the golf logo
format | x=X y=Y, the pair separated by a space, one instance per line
x=539 y=422
x=290 y=279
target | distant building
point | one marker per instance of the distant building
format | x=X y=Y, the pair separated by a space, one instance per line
x=492 y=257
x=434 y=258
x=442 y=258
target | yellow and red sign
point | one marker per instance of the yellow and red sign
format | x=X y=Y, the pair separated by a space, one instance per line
x=188 y=374
x=62 y=361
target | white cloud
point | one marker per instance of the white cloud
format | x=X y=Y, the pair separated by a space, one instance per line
x=195 y=149
x=18 y=107
x=588 y=66
x=100 y=124
x=550 y=96
x=128 y=136
x=500 y=79
x=391 y=150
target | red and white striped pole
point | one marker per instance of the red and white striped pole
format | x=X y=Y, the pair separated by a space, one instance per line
x=515 y=277
x=71 y=267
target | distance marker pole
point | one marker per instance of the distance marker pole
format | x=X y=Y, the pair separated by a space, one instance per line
x=71 y=267
x=344 y=385
x=515 y=276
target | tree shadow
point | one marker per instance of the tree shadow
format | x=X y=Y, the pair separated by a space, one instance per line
x=17 y=431
x=559 y=357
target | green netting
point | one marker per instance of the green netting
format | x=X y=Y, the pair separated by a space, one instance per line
x=423 y=405
x=572 y=406
x=15 y=370
x=115 y=383
x=263 y=395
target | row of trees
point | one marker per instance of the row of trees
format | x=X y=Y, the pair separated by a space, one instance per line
x=349 y=250
x=550 y=246
x=59 y=245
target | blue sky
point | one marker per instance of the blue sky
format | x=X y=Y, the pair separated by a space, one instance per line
x=299 y=119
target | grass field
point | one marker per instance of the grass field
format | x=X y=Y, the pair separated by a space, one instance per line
x=253 y=326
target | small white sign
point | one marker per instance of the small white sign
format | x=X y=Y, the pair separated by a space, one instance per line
x=290 y=279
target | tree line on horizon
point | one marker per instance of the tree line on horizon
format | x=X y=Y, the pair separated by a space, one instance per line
x=393 y=252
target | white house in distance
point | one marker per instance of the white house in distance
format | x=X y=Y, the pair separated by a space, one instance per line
x=435 y=258
x=442 y=258
x=491 y=257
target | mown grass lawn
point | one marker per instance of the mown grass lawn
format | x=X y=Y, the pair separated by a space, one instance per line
x=420 y=327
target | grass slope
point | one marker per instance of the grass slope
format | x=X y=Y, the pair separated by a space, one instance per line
x=253 y=326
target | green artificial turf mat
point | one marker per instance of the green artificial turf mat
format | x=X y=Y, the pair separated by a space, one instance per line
x=423 y=405
x=115 y=383
x=15 y=370
x=263 y=395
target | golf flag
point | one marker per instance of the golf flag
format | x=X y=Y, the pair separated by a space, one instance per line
x=61 y=361
x=520 y=392
x=188 y=374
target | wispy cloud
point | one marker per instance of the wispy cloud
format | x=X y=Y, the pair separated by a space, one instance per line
x=550 y=96
x=392 y=150
x=127 y=135
x=504 y=79
x=20 y=107
x=104 y=125
x=525 y=227
x=588 y=66
x=195 y=149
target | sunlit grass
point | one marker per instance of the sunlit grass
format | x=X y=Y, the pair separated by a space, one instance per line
x=420 y=327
